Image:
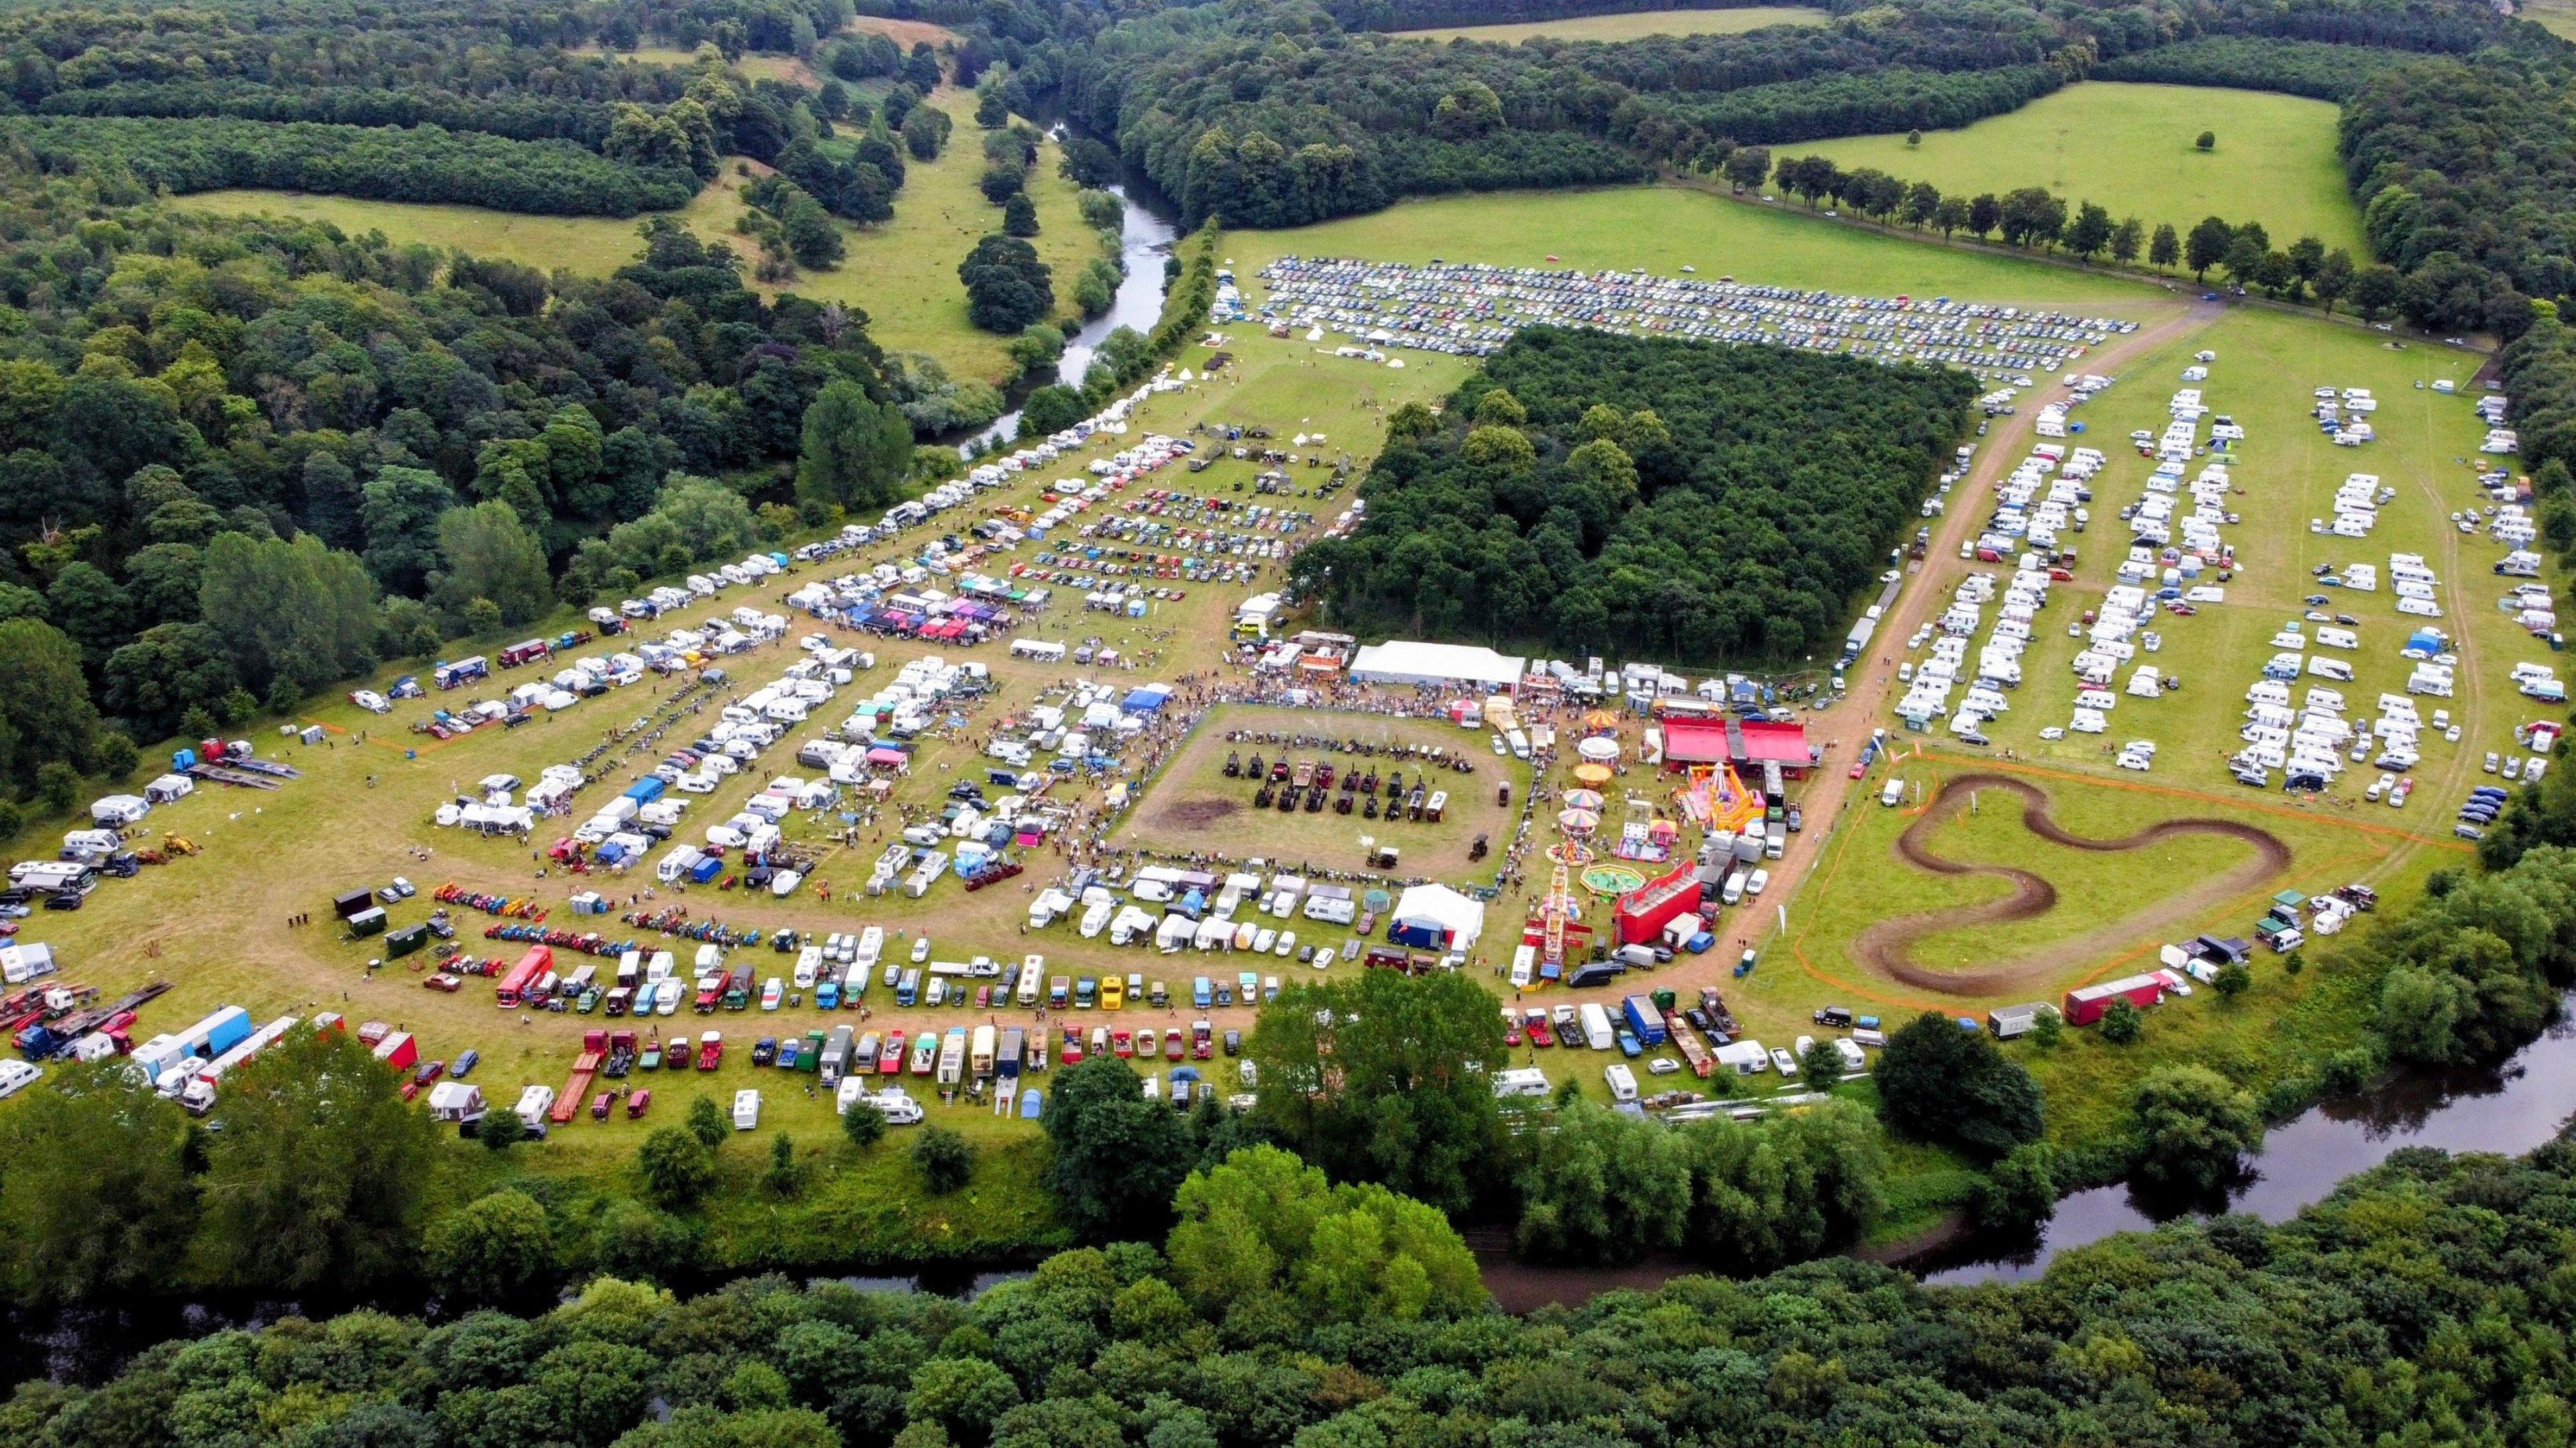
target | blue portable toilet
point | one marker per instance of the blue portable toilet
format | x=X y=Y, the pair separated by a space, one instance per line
x=181 y=761
x=1030 y=1104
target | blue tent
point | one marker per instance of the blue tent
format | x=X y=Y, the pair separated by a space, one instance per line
x=1145 y=700
x=1030 y=1104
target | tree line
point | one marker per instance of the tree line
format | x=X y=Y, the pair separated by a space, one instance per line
x=1281 y=1308
x=1643 y=496
x=422 y=164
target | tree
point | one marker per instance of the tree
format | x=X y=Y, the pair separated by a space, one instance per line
x=1007 y=287
x=500 y=1130
x=962 y=1394
x=1922 y=203
x=812 y=237
x=2206 y=141
x=1002 y=181
x=2019 y=1193
x=1597 y=1186
x=1088 y=163
x=2090 y=232
x=2233 y=979
x=317 y=1176
x=2165 y=248
x=706 y=1121
x=863 y=1125
x=1985 y=213
x=991 y=111
x=1914 y=137
x=1951 y=215
x=1019 y=215
x=97 y=1197
x=491 y=1250
x=45 y=712
x=677 y=1166
x=166 y=671
x=2126 y=240
x=2374 y=291
x=91 y=609
x=2122 y=1023
x=2207 y=246
x=294 y=610
x=1263 y=1228
x=2194 y=1128
x=2030 y=216
x=1784 y=1189
x=1407 y=1099
x=855 y=452
x=116 y=758
x=945 y=1159
x=925 y=132
x=2333 y=279
x=784 y=1178
x=491 y=554
x=1940 y=1083
x=1820 y=1066
x=1116 y=1157
x=1748 y=165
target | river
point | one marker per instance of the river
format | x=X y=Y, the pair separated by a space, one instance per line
x=2509 y=1109
x=1144 y=240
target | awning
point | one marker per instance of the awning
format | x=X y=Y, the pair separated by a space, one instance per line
x=1694 y=741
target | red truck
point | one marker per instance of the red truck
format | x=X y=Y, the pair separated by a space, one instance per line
x=710 y=1051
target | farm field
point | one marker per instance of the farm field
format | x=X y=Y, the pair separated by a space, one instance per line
x=1634 y=25
x=2129 y=147
x=902 y=274
x=1664 y=228
x=2558 y=17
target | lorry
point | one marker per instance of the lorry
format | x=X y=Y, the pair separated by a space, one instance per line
x=1644 y=1019
x=1596 y=1026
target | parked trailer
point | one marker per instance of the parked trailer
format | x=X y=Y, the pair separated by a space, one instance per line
x=2085 y=1005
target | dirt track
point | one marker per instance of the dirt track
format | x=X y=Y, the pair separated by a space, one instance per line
x=1886 y=946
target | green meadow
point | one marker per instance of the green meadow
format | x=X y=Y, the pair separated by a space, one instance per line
x=1634 y=25
x=2130 y=148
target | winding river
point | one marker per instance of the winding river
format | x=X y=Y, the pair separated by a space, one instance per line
x=1144 y=240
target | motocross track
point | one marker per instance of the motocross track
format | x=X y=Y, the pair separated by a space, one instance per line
x=1887 y=945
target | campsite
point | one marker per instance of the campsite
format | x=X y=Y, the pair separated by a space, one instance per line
x=1068 y=710
x=1289 y=386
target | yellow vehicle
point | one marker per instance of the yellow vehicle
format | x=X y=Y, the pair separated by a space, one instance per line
x=1113 y=993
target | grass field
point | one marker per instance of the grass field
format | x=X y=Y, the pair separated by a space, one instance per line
x=2129 y=147
x=1634 y=25
x=1663 y=228
x=593 y=245
x=902 y=274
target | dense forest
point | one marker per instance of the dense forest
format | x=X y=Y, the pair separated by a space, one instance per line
x=1647 y=497
x=2424 y=1302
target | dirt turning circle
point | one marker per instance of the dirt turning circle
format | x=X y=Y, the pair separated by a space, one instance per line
x=1887 y=946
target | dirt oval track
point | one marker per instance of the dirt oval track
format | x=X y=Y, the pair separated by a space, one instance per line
x=1887 y=947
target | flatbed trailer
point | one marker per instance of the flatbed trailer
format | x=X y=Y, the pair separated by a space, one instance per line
x=576 y=1088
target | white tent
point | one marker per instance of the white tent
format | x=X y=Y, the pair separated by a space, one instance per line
x=1443 y=665
x=1463 y=919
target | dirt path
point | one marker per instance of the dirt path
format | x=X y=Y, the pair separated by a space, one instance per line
x=1886 y=947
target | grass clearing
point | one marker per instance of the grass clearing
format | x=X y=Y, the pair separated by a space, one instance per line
x=2129 y=147
x=1664 y=228
x=590 y=245
x=1634 y=25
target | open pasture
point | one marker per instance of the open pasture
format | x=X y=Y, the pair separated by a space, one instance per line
x=1664 y=228
x=1633 y=25
x=2130 y=148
